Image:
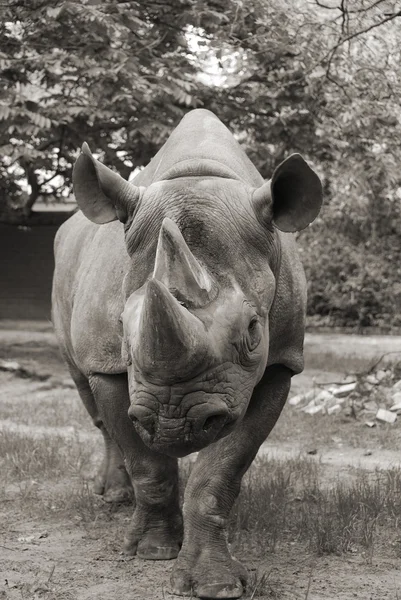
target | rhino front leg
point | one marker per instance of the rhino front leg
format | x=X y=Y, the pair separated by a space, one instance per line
x=156 y=530
x=204 y=566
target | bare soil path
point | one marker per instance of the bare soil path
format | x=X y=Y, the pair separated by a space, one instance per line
x=58 y=541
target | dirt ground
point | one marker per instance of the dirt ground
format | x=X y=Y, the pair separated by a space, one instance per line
x=58 y=541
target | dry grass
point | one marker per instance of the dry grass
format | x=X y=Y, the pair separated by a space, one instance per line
x=281 y=502
x=23 y=457
x=289 y=501
x=263 y=583
x=52 y=476
x=43 y=404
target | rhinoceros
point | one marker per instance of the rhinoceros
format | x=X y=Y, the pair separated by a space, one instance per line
x=179 y=307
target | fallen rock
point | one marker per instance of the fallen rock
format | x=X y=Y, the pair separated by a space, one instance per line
x=323 y=397
x=380 y=375
x=370 y=406
x=386 y=416
x=28 y=538
x=9 y=365
x=396 y=397
x=396 y=407
x=312 y=410
x=13 y=366
x=362 y=393
x=342 y=390
x=304 y=397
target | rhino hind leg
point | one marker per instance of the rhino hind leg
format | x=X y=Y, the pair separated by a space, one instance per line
x=112 y=480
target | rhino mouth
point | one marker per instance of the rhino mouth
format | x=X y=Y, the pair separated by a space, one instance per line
x=203 y=425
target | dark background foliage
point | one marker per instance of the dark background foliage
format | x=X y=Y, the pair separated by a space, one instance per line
x=322 y=79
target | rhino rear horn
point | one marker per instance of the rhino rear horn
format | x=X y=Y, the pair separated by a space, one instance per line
x=292 y=198
x=178 y=269
x=102 y=194
x=171 y=341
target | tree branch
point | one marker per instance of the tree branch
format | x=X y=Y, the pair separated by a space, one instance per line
x=359 y=10
x=350 y=37
x=326 y=7
x=47 y=143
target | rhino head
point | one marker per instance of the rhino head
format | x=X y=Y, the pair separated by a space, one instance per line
x=204 y=253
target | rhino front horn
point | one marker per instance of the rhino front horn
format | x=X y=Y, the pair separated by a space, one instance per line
x=171 y=341
x=177 y=268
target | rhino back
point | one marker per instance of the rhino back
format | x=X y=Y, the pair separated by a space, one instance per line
x=91 y=262
x=200 y=145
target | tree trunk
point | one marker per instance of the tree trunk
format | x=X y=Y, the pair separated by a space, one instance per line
x=34 y=184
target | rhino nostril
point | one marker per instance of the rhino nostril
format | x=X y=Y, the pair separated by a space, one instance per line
x=214 y=422
x=142 y=416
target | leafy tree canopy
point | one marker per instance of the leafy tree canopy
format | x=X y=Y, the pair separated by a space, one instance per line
x=114 y=73
x=321 y=77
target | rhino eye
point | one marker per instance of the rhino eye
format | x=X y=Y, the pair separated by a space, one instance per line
x=254 y=334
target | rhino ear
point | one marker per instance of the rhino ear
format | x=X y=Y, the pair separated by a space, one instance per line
x=102 y=194
x=292 y=198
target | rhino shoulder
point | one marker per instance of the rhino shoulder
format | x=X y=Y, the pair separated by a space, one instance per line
x=91 y=261
x=287 y=314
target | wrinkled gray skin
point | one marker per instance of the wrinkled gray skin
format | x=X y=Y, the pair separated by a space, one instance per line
x=182 y=328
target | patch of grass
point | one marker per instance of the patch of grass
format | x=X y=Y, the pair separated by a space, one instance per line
x=281 y=502
x=269 y=490
x=24 y=458
x=261 y=584
x=50 y=476
x=287 y=502
x=77 y=501
x=49 y=406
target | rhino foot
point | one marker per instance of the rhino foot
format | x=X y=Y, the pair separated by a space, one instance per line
x=113 y=484
x=208 y=578
x=152 y=547
x=119 y=495
x=160 y=540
